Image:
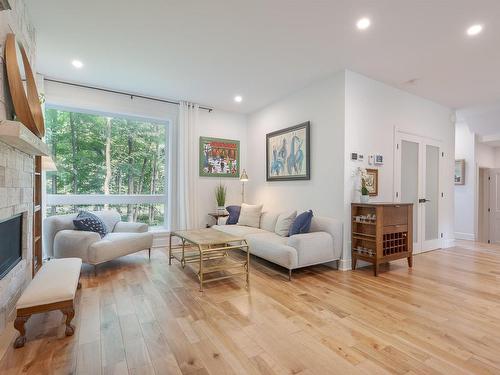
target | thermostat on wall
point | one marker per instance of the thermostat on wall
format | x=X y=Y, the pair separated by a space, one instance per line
x=378 y=159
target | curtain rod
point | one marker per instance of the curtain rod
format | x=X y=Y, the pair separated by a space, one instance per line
x=132 y=96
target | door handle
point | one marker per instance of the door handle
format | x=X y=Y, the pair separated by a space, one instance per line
x=423 y=200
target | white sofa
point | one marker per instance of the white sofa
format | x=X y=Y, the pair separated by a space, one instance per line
x=61 y=240
x=321 y=245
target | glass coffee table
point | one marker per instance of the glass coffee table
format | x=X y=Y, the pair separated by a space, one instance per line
x=208 y=250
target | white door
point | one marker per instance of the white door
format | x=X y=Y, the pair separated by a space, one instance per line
x=417 y=165
x=494 y=206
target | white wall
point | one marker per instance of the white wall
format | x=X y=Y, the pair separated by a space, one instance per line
x=348 y=113
x=486 y=156
x=322 y=104
x=373 y=110
x=217 y=123
x=226 y=125
x=465 y=195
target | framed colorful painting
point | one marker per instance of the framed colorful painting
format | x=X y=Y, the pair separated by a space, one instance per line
x=219 y=157
x=288 y=154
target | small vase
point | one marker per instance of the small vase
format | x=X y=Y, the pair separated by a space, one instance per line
x=221 y=209
x=364 y=198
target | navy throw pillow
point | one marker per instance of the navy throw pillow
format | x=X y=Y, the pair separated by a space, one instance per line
x=234 y=214
x=89 y=222
x=301 y=224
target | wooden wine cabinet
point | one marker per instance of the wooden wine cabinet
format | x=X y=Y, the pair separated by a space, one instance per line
x=381 y=232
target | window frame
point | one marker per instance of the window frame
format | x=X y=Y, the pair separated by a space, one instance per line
x=112 y=199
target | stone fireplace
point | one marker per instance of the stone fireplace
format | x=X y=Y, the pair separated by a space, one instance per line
x=16 y=167
x=16 y=197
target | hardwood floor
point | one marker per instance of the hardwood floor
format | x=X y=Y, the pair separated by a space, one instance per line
x=142 y=317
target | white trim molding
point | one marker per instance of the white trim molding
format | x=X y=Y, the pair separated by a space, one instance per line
x=465 y=236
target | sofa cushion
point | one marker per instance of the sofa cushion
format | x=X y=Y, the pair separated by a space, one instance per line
x=273 y=248
x=89 y=222
x=234 y=214
x=238 y=230
x=115 y=245
x=302 y=223
x=284 y=223
x=250 y=215
x=268 y=221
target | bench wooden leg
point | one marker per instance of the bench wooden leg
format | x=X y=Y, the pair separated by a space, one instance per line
x=19 y=325
x=70 y=314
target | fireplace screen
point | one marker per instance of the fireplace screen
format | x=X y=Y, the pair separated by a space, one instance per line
x=11 y=243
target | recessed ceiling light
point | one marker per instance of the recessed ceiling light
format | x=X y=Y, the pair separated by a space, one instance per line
x=474 y=30
x=363 y=23
x=238 y=99
x=77 y=64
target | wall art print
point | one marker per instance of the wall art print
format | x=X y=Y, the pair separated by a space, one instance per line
x=219 y=157
x=288 y=154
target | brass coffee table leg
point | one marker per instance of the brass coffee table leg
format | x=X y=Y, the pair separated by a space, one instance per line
x=201 y=269
x=183 y=259
x=248 y=263
x=170 y=250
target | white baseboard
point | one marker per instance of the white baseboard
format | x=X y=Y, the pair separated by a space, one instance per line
x=465 y=236
x=345 y=265
x=449 y=242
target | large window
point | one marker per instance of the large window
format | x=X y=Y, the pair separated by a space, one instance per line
x=106 y=162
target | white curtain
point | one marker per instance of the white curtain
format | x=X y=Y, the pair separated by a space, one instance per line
x=183 y=202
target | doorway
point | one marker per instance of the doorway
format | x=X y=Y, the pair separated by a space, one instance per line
x=489 y=205
x=417 y=170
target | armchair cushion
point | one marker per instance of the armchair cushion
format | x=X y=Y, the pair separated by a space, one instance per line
x=126 y=227
x=89 y=222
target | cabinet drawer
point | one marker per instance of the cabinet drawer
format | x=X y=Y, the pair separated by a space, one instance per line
x=395 y=228
x=395 y=215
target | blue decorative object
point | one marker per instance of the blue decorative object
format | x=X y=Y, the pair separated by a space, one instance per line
x=89 y=222
x=234 y=214
x=302 y=223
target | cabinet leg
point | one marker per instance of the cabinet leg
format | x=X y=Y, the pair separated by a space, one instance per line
x=375 y=269
x=410 y=261
x=353 y=263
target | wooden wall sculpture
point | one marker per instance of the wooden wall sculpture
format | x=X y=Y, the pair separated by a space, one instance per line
x=26 y=101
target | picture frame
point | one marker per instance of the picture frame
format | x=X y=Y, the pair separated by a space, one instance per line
x=288 y=153
x=372 y=183
x=219 y=157
x=460 y=172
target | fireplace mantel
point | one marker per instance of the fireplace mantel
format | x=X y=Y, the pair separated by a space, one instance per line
x=15 y=134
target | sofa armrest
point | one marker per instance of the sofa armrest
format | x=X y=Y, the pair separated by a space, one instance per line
x=313 y=248
x=126 y=227
x=74 y=243
x=332 y=226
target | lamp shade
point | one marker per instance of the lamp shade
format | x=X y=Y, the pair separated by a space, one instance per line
x=48 y=164
x=244 y=176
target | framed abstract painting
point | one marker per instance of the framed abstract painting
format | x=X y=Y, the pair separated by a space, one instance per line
x=288 y=154
x=219 y=157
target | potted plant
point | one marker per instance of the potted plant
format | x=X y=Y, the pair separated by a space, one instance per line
x=365 y=194
x=220 y=196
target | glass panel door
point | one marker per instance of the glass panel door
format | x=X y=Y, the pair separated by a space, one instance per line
x=417 y=181
x=431 y=192
x=410 y=180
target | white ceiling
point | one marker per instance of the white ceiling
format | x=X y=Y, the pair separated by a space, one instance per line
x=209 y=51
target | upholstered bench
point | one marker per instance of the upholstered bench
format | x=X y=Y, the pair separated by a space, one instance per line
x=53 y=288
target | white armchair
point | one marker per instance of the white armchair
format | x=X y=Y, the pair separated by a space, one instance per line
x=61 y=240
